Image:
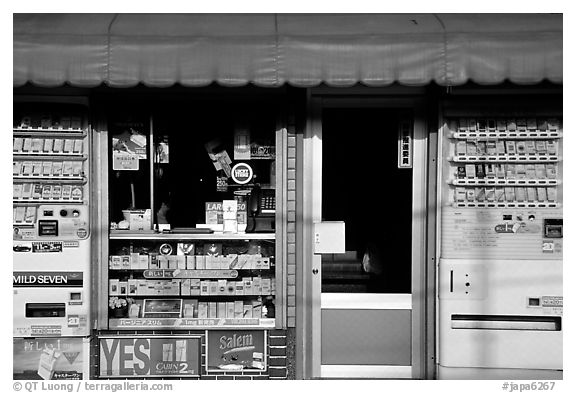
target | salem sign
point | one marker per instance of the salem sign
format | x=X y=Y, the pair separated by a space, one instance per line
x=146 y=356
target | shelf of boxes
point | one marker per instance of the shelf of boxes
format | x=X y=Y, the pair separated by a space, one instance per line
x=506 y=158
x=120 y=234
x=188 y=323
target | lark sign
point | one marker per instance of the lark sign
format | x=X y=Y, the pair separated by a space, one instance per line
x=150 y=356
x=234 y=350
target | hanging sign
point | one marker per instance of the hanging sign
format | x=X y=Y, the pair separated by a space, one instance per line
x=122 y=161
x=236 y=350
x=146 y=356
x=242 y=173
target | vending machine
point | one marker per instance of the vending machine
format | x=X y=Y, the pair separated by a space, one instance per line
x=501 y=229
x=51 y=241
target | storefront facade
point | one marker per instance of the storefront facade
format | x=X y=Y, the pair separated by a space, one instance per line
x=340 y=206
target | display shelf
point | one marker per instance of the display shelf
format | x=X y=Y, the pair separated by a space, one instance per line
x=45 y=178
x=506 y=158
x=56 y=201
x=33 y=156
x=190 y=323
x=533 y=134
x=190 y=296
x=506 y=204
x=505 y=182
x=131 y=235
x=49 y=131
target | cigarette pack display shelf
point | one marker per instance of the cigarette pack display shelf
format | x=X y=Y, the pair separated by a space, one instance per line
x=190 y=323
x=131 y=235
x=158 y=295
x=505 y=182
x=76 y=178
x=506 y=158
x=42 y=155
x=507 y=135
x=506 y=204
x=48 y=130
x=17 y=202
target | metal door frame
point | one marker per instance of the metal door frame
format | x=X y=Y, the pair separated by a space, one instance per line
x=308 y=303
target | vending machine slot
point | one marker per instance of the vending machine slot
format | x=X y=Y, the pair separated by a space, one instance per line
x=506 y=322
x=45 y=310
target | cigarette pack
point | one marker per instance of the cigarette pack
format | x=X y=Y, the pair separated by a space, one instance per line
x=480 y=174
x=221 y=287
x=482 y=125
x=258 y=263
x=463 y=124
x=143 y=261
x=200 y=262
x=551 y=192
x=213 y=288
x=229 y=207
x=230 y=309
x=471 y=149
x=501 y=124
x=26 y=144
x=521 y=147
x=461 y=148
x=185 y=249
x=511 y=125
x=37 y=191
x=77 y=168
x=520 y=171
x=551 y=147
x=37 y=145
x=56 y=191
x=19 y=213
x=238 y=309
x=247 y=311
x=188 y=311
x=481 y=148
x=542 y=124
x=530 y=146
x=67 y=168
x=265 y=286
x=143 y=287
x=471 y=124
x=48 y=145
x=27 y=167
x=521 y=124
x=480 y=194
x=551 y=171
x=461 y=172
x=134 y=260
x=126 y=262
x=247 y=283
x=75 y=122
x=553 y=124
x=45 y=120
x=46 y=168
x=531 y=124
x=510 y=194
x=195 y=287
x=30 y=214
x=46 y=191
x=540 y=171
x=180 y=262
x=230 y=226
x=172 y=261
x=470 y=195
x=163 y=261
x=27 y=190
x=256 y=285
x=470 y=171
x=214 y=213
x=541 y=191
x=531 y=171
x=68 y=145
x=209 y=261
x=520 y=194
x=530 y=194
x=115 y=262
x=37 y=168
x=256 y=309
x=541 y=147
x=499 y=194
x=212 y=310
x=490 y=171
x=132 y=286
x=123 y=288
x=510 y=147
x=58 y=145
x=491 y=147
x=491 y=124
x=16 y=168
x=57 y=167
x=66 y=191
x=190 y=262
x=500 y=148
x=17 y=145
x=239 y=290
x=265 y=263
x=460 y=194
x=113 y=288
x=231 y=288
x=203 y=310
x=65 y=122
x=78 y=146
x=153 y=261
x=510 y=171
x=490 y=194
x=17 y=191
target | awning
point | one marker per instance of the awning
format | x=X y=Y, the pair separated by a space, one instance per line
x=123 y=50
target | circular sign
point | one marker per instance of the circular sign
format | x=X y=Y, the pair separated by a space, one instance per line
x=82 y=233
x=165 y=249
x=242 y=173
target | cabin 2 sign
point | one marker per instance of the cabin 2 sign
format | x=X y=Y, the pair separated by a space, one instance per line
x=146 y=356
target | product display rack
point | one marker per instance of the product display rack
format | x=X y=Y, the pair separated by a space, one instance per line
x=514 y=164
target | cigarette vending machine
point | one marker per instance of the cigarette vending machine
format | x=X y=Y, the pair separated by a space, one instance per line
x=500 y=270
x=51 y=241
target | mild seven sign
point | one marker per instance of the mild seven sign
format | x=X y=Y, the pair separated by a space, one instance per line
x=47 y=279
